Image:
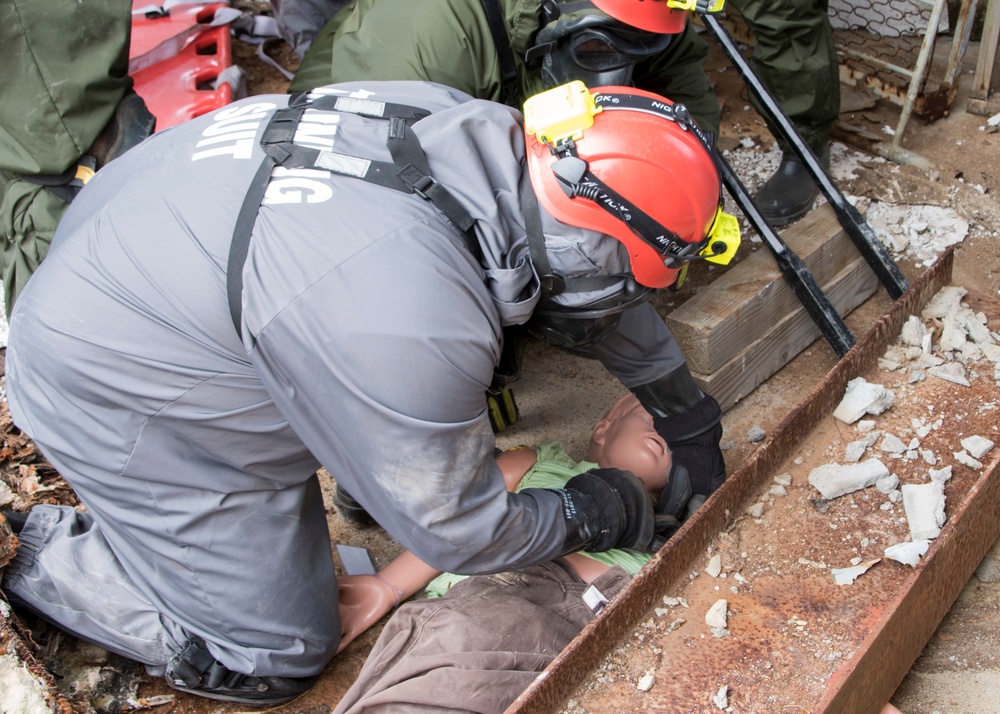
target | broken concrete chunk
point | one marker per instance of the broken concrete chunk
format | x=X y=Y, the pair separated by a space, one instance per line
x=756 y=510
x=951 y=372
x=907 y=553
x=833 y=480
x=928 y=456
x=953 y=336
x=977 y=446
x=940 y=475
x=721 y=698
x=947 y=302
x=855 y=450
x=913 y=332
x=862 y=397
x=865 y=425
x=976 y=330
x=645 y=683
x=777 y=490
x=717 y=616
x=891 y=444
x=714 y=567
x=846 y=576
x=783 y=479
x=924 y=506
x=887 y=484
x=756 y=434
x=966 y=460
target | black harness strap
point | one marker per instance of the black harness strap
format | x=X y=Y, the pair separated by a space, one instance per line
x=505 y=55
x=410 y=173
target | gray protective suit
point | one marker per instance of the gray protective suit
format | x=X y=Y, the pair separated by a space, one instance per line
x=370 y=334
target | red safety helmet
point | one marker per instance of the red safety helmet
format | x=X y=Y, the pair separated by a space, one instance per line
x=631 y=172
x=651 y=15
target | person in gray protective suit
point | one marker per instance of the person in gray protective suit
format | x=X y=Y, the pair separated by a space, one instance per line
x=224 y=310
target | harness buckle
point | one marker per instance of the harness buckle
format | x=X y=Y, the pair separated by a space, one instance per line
x=423 y=185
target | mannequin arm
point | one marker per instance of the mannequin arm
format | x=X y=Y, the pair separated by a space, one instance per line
x=365 y=599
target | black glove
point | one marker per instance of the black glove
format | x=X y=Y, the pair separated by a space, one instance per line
x=609 y=508
x=690 y=422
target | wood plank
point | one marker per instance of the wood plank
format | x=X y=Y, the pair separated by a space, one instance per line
x=789 y=336
x=987 y=52
x=719 y=322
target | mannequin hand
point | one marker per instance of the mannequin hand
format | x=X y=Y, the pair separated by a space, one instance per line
x=364 y=600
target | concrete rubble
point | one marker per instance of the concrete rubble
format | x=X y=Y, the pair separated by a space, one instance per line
x=846 y=576
x=908 y=552
x=834 y=480
x=924 y=507
x=862 y=397
x=717 y=618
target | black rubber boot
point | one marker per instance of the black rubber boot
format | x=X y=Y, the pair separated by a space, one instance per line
x=131 y=123
x=195 y=671
x=790 y=192
x=349 y=509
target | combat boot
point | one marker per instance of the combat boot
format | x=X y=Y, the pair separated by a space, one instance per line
x=131 y=123
x=790 y=192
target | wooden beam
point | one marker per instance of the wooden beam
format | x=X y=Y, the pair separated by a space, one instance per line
x=789 y=336
x=987 y=52
x=723 y=319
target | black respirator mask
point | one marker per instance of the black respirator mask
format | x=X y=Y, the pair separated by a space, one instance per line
x=587 y=324
x=594 y=48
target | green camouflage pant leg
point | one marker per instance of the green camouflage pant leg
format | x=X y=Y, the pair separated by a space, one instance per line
x=29 y=215
x=66 y=69
x=796 y=58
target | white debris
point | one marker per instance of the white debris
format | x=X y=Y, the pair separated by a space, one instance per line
x=966 y=460
x=6 y=495
x=855 y=450
x=942 y=475
x=907 y=553
x=646 y=683
x=833 y=480
x=977 y=446
x=913 y=332
x=865 y=425
x=951 y=372
x=674 y=601
x=783 y=479
x=756 y=434
x=891 y=444
x=846 y=576
x=887 y=484
x=756 y=510
x=862 y=397
x=947 y=301
x=721 y=698
x=928 y=456
x=993 y=120
x=777 y=490
x=924 y=506
x=714 y=567
x=717 y=616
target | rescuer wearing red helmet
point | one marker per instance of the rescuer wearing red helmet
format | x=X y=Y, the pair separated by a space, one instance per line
x=509 y=50
x=329 y=286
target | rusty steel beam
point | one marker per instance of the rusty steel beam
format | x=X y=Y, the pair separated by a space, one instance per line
x=672 y=564
x=878 y=666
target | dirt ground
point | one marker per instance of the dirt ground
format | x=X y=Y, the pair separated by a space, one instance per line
x=561 y=396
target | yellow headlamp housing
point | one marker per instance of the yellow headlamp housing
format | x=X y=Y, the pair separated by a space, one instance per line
x=723 y=238
x=712 y=6
x=560 y=114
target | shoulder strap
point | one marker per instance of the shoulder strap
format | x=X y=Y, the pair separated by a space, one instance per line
x=505 y=55
x=409 y=173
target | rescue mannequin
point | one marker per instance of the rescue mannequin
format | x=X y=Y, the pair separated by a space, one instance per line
x=209 y=329
x=624 y=438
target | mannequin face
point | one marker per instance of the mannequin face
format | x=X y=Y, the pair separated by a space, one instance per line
x=625 y=439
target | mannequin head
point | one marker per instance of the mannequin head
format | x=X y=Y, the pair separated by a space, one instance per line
x=624 y=438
